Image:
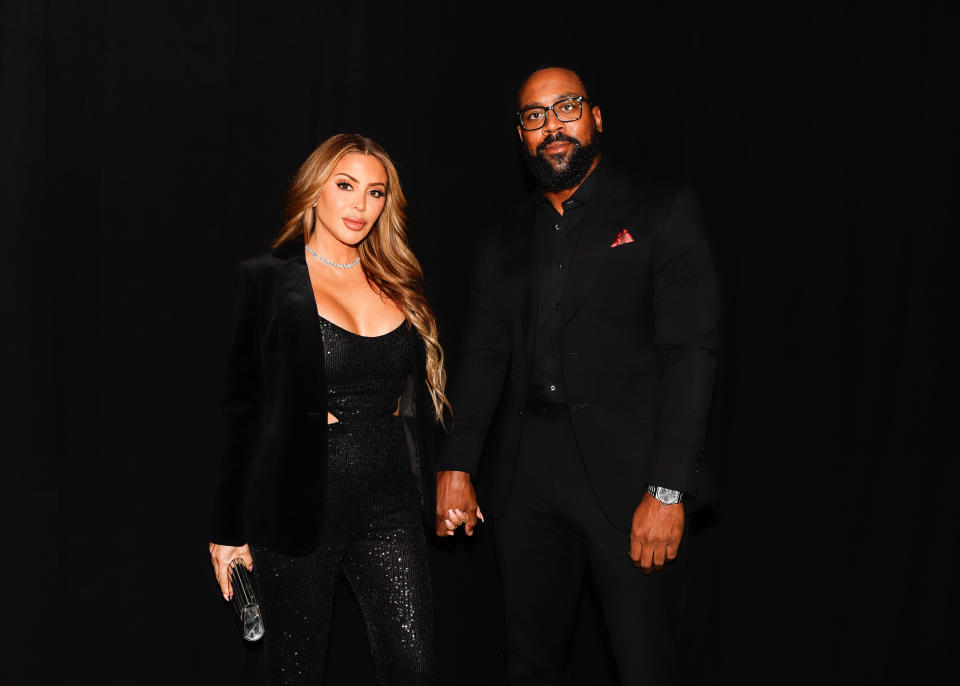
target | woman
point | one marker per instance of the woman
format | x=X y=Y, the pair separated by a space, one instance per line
x=334 y=382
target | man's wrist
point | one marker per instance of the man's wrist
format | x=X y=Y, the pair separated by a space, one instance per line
x=667 y=496
x=457 y=475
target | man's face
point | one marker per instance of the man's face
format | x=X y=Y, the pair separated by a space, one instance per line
x=557 y=142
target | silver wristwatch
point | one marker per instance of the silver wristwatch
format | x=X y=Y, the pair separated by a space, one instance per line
x=667 y=496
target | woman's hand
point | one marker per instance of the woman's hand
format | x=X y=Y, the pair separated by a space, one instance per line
x=457 y=517
x=456 y=503
x=221 y=556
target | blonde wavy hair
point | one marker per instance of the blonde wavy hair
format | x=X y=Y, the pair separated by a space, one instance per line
x=387 y=261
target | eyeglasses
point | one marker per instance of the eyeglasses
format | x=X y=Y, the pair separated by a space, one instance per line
x=568 y=109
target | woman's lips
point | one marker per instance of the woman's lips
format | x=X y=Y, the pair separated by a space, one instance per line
x=354 y=224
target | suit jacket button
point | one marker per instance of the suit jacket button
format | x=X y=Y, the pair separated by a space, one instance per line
x=520 y=412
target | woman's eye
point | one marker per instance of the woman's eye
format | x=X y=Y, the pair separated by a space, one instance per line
x=344 y=186
x=377 y=194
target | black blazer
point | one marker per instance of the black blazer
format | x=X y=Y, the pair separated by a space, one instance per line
x=273 y=471
x=637 y=351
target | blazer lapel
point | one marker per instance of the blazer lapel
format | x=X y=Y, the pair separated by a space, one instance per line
x=519 y=266
x=600 y=227
x=307 y=342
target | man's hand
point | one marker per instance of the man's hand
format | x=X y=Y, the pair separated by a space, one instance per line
x=456 y=503
x=655 y=533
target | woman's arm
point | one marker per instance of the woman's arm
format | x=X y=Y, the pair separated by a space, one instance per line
x=241 y=407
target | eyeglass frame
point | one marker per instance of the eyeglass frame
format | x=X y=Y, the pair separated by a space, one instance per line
x=549 y=108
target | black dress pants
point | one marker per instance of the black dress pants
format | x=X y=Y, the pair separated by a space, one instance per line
x=551 y=529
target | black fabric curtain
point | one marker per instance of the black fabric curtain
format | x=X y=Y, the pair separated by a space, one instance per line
x=144 y=150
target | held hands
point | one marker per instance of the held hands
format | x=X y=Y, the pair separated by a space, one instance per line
x=655 y=533
x=456 y=503
x=221 y=556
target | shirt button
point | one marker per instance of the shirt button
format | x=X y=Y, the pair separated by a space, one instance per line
x=556 y=227
x=561 y=266
x=556 y=307
x=552 y=387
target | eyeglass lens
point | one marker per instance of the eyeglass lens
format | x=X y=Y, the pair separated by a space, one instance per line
x=565 y=110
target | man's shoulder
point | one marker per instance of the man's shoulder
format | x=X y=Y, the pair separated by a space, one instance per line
x=632 y=186
x=509 y=223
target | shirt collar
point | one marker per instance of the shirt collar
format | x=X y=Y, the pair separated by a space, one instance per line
x=583 y=194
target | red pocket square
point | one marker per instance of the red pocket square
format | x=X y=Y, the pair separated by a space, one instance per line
x=622 y=238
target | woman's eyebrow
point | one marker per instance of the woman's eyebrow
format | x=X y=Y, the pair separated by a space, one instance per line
x=375 y=183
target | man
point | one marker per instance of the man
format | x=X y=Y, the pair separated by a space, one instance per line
x=589 y=360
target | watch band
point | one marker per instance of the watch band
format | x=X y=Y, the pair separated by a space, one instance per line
x=667 y=496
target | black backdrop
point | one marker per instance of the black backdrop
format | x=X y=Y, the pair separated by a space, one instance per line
x=144 y=151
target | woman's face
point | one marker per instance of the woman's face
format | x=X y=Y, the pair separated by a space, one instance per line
x=352 y=199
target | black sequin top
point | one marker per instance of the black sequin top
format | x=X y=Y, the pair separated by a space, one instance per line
x=366 y=374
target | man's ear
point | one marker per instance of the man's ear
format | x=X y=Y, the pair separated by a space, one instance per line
x=597 y=117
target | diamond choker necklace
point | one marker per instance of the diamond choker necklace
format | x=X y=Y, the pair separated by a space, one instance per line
x=338 y=265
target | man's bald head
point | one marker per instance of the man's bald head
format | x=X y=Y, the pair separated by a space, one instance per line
x=545 y=76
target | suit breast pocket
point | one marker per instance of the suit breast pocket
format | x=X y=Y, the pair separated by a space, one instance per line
x=627 y=251
x=630 y=260
x=622 y=282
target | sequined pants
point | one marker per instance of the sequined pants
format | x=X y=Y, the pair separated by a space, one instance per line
x=374 y=535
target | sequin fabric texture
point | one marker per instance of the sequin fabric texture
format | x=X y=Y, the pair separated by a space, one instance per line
x=372 y=533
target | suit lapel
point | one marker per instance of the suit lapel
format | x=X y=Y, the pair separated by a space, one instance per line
x=600 y=226
x=519 y=266
x=307 y=340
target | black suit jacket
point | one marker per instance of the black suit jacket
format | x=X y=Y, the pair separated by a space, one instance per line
x=638 y=347
x=273 y=470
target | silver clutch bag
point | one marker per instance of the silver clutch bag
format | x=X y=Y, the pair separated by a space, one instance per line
x=245 y=601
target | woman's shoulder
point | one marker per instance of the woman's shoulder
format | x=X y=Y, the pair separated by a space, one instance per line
x=268 y=261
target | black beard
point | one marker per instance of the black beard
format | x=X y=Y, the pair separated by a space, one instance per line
x=551 y=179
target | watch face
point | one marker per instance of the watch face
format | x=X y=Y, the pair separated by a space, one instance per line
x=668 y=496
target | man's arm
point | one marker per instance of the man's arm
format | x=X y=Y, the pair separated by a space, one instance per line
x=686 y=311
x=685 y=339
x=474 y=391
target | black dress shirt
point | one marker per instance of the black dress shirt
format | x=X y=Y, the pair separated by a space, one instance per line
x=556 y=236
